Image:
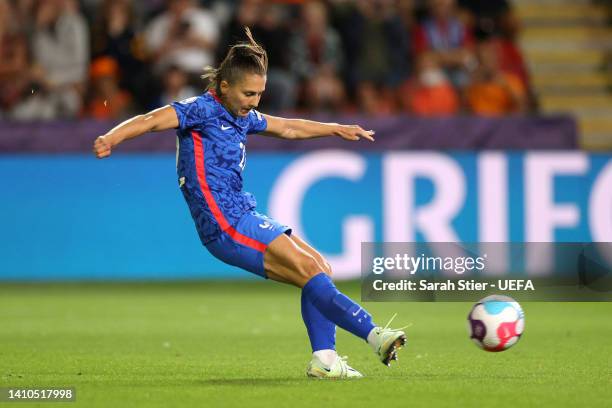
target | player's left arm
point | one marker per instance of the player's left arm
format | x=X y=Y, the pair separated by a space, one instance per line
x=308 y=129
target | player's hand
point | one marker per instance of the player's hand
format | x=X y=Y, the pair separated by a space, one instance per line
x=354 y=132
x=102 y=147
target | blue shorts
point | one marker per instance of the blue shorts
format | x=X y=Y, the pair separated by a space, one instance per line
x=244 y=244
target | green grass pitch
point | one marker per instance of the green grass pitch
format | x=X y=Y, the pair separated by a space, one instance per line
x=242 y=344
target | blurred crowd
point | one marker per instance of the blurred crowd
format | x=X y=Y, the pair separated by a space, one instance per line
x=109 y=59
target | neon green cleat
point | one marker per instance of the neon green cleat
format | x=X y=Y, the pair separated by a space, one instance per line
x=386 y=342
x=340 y=369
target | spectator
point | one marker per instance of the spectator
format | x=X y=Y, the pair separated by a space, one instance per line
x=383 y=50
x=13 y=59
x=60 y=49
x=24 y=10
x=511 y=59
x=485 y=15
x=493 y=91
x=448 y=40
x=109 y=101
x=184 y=35
x=316 y=56
x=176 y=86
x=374 y=100
x=429 y=93
x=406 y=11
x=113 y=35
x=247 y=14
x=324 y=92
x=268 y=23
x=274 y=35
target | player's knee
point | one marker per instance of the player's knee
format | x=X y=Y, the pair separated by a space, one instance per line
x=308 y=267
x=327 y=268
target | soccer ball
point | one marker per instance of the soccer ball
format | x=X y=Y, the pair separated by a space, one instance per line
x=496 y=323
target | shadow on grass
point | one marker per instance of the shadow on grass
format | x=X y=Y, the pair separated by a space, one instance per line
x=444 y=376
x=255 y=382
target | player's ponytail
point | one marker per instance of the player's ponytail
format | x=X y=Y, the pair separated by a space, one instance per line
x=246 y=57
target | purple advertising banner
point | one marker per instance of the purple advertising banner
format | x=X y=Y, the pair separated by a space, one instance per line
x=392 y=133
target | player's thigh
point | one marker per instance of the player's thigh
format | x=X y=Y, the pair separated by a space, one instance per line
x=285 y=261
x=325 y=266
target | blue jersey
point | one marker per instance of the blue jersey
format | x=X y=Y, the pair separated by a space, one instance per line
x=211 y=155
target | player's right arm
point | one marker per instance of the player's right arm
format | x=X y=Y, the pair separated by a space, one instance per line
x=159 y=119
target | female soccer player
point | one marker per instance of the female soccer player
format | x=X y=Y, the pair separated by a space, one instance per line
x=212 y=133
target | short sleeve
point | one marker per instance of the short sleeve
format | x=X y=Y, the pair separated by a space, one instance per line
x=257 y=122
x=191 y=111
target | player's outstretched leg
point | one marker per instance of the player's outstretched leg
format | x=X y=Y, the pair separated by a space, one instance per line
x=285 y=261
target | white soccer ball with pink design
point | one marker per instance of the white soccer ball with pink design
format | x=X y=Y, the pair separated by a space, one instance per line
x=496 y=323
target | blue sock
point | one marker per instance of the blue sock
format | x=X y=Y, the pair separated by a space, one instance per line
x=321 y=331
x=336 y=306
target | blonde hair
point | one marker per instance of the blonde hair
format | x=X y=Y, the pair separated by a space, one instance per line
x=244 y=57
